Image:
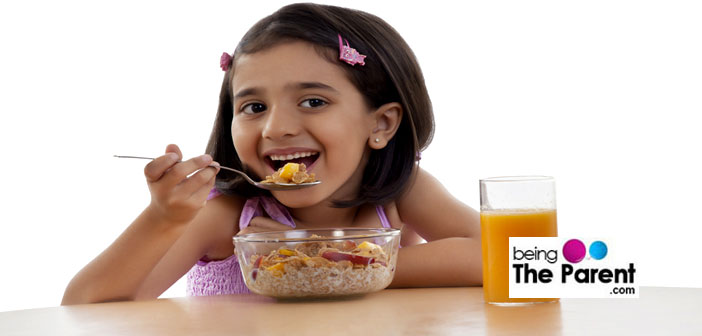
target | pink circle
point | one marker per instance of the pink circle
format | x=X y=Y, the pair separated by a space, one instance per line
x=574 y=251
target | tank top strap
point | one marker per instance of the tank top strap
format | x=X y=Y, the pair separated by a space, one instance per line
x=383 y=218
x=257 y=206
x=214 y=193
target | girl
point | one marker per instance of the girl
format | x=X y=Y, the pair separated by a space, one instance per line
x=334 y=88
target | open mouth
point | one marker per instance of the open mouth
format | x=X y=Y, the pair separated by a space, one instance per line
x=278 y=161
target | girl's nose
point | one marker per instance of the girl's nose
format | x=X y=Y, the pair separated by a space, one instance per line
x=281 y=123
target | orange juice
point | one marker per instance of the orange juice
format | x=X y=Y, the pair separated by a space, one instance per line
x=496 y=228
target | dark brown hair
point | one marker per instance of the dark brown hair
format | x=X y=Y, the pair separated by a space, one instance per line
x=391 y=74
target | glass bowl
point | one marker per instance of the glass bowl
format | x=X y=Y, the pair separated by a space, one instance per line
x=318 y=263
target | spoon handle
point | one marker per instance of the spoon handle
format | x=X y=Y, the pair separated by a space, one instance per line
x=267 y=186
x=248 y=179
x=133 y=157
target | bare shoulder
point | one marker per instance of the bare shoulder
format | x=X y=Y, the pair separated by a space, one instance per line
x=433 y=212
x=409 y=236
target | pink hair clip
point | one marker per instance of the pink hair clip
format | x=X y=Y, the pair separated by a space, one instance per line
x=225 y=61
x=350 y=55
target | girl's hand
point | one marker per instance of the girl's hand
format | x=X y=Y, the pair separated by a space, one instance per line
x=178 y=188
x=263 y=224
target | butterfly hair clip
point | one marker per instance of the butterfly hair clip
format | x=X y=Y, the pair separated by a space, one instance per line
x=225 y=61
x=350 y=55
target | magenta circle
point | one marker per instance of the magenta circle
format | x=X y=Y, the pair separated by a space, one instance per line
x=574 y=251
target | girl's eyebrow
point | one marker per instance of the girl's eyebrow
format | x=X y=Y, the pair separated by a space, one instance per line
x=313 y=85
x=300 y=86
x=246 y=92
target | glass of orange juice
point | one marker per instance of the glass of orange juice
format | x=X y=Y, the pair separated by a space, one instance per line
x=513 y=206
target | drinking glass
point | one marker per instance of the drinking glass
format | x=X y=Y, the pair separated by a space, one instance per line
x=512 y=206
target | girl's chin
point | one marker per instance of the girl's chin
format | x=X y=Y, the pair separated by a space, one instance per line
x=297 y=198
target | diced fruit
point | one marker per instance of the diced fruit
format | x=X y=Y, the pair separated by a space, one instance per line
x=369 y=249
x=368 y=246
x=289 y=170
x=286 y=252
x=256 y=265
x=277 y=270
x=349 y=245
x=338 y=256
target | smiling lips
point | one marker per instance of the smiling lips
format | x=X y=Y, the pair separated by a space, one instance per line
x=276 y=160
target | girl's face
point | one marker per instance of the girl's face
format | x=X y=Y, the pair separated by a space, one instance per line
x=293 y=105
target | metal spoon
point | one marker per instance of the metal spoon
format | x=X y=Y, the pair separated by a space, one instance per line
x=262 y=185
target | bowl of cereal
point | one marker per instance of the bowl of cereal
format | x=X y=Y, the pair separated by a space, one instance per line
x=318 y=263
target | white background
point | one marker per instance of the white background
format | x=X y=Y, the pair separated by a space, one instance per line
x=603 y=95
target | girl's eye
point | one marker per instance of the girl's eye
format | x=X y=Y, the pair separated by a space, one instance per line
x=313 y=102
x=253 y=108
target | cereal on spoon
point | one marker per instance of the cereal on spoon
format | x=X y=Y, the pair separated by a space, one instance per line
x=291 y=173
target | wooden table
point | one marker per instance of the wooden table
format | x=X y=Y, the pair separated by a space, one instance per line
x=427 y=311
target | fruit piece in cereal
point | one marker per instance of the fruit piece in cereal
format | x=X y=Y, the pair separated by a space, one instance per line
x=277 y=270
x=291 y=173
x=356 y=259
x=289 y=170
x=286 y=252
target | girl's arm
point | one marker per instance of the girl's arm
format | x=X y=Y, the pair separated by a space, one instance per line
x=118 y=271
x=209 y=234
x=452 y=254
x=213 y=227
x=178 y=192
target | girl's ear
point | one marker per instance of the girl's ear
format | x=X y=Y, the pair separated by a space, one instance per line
x=387 y=121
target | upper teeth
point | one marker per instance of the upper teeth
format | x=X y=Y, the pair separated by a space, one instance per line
x=291 y=156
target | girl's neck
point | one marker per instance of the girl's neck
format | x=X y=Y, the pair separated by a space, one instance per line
x=324 y=216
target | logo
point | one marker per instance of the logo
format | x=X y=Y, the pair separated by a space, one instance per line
x=550 y=267
x=574 y=250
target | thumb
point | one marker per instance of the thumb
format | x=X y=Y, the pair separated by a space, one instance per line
x=172 y=148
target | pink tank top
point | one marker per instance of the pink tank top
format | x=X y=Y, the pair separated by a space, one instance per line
x=224 y=276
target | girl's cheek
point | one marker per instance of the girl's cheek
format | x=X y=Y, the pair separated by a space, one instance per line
x=243 y=143
x=345 y=152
